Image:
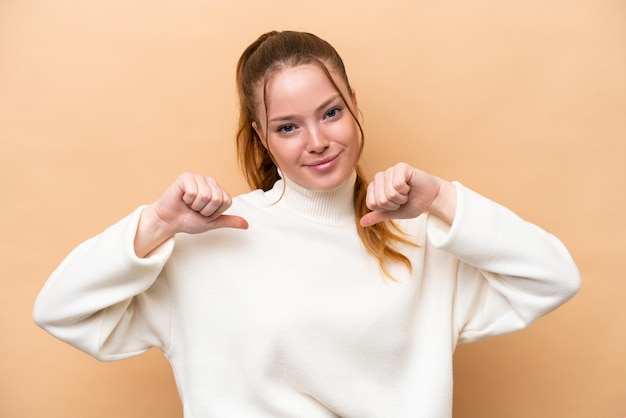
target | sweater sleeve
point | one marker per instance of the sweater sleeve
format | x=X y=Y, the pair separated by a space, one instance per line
x=510 y=272
x=106 y=301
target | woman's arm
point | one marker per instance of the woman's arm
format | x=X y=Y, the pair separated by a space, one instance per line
x=508 y=272
x=109 y=297
x=105 y=300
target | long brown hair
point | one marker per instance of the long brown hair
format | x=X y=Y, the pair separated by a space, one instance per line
x=269 y=53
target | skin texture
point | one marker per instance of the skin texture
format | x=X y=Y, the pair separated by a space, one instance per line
x=315 y=142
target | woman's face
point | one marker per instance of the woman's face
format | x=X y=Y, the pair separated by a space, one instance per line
x=313 y=137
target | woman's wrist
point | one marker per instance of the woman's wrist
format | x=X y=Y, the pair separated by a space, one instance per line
x=151 y=232
x=444 y=205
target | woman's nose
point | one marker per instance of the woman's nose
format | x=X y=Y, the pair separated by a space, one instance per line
x=317 y=142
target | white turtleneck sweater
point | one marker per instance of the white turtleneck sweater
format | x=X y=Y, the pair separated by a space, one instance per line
x=293 y=318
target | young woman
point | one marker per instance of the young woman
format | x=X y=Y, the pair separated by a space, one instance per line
x=316 y=294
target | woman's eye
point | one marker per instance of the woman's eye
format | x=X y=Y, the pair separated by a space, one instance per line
x=332 y=112
x=285 y=129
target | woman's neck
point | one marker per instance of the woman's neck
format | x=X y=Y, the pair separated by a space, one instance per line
x=333 y=206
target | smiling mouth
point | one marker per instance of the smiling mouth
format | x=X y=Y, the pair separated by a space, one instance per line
x=323 y=162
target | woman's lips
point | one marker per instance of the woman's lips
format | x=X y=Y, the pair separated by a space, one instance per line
x=325 y=164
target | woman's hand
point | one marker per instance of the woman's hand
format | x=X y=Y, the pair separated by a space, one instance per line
x=193 y=204
x=403 y=192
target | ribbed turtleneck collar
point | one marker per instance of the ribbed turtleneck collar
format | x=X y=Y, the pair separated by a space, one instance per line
x=334 y=206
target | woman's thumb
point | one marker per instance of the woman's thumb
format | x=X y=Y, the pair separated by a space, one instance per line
x=231 y=221
x=373 y=217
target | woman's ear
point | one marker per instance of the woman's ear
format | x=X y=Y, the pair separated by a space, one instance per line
x=354 y=101
x=259 y=134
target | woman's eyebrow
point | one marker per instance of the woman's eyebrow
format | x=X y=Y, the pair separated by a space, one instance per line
x=319 y=108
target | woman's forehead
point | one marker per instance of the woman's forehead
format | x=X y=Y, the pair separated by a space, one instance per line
x=309 y=77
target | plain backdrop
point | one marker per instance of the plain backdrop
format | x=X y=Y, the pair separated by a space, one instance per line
x=104 y=103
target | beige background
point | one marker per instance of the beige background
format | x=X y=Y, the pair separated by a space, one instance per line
x=103 y=103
